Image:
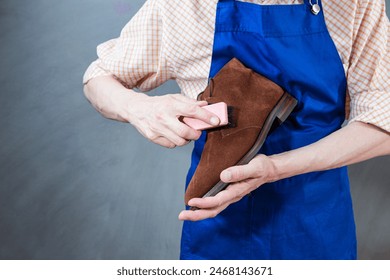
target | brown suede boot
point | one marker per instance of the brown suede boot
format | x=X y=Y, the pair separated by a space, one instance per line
x=257 y=102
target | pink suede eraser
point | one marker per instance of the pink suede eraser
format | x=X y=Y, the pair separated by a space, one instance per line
x=219 y=109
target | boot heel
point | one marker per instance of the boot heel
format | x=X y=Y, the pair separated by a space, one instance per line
x=287 y=105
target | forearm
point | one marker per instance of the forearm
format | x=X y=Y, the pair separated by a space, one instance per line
x=353 y=143
x=110 y=98
x=155 y=117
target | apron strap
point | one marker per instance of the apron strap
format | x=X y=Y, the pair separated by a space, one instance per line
x=312 y=2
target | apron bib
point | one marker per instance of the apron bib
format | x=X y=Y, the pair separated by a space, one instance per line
x=303 y=217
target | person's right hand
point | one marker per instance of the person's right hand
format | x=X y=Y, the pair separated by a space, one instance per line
x=157 y=118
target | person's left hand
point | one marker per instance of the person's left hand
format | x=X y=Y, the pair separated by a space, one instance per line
x=243 y=179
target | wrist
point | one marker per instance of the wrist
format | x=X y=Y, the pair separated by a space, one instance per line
x=276 y=170
x=269 y=168
x=130 y=105
x=288 y=164
x=110 y=98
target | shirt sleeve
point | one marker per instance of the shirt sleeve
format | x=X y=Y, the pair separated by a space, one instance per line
x=136 y=57
x=369 y=66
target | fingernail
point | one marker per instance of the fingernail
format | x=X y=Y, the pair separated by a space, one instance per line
x=214 y=121
x=228 y=175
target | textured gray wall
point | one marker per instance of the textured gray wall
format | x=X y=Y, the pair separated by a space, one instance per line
x=76 y=186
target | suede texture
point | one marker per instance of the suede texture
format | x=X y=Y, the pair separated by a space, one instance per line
x=252 y=97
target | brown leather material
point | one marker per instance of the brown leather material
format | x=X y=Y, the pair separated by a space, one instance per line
x=253 y=97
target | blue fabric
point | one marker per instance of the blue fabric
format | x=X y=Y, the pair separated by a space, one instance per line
x=304 y=217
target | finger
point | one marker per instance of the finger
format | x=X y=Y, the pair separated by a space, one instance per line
x=162 y=141
x=191 y=101
x=198 y=215
x=197 y=112
x=186 y=132
x=232 y=194
x=239 y=173
x=202 y=103
x=239 y=190
x=209 y=202
x=175 y=139
x=258 y=168
x=178 y=133
x=209 y=207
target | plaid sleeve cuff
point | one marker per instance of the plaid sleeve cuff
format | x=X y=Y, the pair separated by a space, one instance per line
x=375 y=111
x=93 y=71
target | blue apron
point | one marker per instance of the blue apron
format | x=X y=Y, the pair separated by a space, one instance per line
x=303 y=217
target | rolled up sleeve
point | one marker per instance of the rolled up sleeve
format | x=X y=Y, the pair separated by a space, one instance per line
x=136 y=57
x=369 y=66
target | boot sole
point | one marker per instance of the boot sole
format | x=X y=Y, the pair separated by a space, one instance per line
x=279 y=113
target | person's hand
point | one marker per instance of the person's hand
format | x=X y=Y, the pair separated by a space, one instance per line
x=157 y=118
x=243 y=179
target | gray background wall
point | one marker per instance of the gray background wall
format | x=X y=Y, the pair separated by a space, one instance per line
x=76 y=186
